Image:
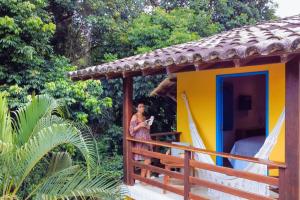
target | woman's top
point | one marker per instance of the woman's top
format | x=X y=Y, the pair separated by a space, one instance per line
x=142 y=133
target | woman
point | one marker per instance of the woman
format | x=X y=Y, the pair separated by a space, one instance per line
x=140 y=130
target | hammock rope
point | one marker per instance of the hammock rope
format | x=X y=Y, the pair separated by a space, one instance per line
x=239 y=183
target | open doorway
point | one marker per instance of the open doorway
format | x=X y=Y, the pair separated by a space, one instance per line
x=242 y=115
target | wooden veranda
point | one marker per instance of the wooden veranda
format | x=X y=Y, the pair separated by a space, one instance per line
x=263 y=44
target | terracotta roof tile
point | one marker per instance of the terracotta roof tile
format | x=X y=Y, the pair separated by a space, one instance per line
x=265 y=38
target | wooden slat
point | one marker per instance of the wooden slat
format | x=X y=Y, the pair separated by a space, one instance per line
x=158 y=184
x=172 y=174
x=159 y=170
x=173 y=189
x=231 y=172
x=212 y=153
x=228 y=190
x=196 y=197
x=205 y=183
x=157 y=155
x=237 y=173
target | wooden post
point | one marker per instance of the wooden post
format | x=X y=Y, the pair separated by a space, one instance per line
x=127 y=113
x=187 y=172
x=290 y=177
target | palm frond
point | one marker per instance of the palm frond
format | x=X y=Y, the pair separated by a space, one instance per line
x=5 y=122
x=47 y=139
x=70 y=183
x=59 y=161
x=28 y=116
x=48 y=121
x=38 y=129
x=87 y=133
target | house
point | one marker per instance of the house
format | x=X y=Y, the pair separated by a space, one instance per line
x=237 y=83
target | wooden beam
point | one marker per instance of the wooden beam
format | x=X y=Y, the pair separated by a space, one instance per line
x=237 y=62
x=287 y=57
x=260 y=61
x=113 y=75
x=98 y=76
x=187 y=172
x=84 y=78
x=180 y=68
x=153 y=71
x=290 y=177
x=127 y=145
x=131 y=73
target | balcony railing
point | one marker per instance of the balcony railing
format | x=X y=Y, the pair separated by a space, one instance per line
x=188 y=164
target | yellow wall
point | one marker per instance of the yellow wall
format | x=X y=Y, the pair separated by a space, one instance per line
x=201 y=90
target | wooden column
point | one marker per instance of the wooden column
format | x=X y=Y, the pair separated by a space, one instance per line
x=127 y=113
x=290 y=177
x=187 y=172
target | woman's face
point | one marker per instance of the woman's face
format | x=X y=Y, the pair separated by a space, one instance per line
x=141 y=108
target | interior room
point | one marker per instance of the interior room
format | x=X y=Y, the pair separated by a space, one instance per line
x=244 y=116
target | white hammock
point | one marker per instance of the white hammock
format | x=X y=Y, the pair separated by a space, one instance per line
x=239 y=183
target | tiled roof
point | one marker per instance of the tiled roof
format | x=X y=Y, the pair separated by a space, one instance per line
x=266 y=38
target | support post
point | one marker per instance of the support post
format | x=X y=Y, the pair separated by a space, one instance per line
x=127 y=113
x=290 y=177
x=187 y=172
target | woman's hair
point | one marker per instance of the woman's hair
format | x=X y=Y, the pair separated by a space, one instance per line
x=138 y=103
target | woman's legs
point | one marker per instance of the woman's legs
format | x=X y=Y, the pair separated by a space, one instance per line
x=146 y=173
x=143 y=172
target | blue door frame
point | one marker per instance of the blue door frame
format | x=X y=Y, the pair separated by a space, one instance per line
x=219 y=107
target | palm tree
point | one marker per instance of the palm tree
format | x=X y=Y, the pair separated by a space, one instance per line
x=30 y=135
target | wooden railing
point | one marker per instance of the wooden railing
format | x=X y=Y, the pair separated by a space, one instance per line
x=189 y=164
x=158 y=136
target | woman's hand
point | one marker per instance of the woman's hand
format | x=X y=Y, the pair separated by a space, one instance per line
x=144 y=125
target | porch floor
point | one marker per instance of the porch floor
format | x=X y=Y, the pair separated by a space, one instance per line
x=141 y=191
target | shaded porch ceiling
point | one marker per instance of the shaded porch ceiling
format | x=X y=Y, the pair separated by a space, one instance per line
x=266 y=42
x=168 y=87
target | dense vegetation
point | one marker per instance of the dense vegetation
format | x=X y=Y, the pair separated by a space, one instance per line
x=40 y=40
x=31 y=138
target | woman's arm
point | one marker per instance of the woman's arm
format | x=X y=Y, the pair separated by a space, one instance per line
x=134 y=126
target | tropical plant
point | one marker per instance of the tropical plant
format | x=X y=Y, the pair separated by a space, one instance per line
x=30 y=135
x=29 y=64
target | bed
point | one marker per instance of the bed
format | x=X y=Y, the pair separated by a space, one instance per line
x=246 y=147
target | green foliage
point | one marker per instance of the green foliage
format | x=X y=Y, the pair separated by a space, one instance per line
x=41 y=40
x=30 y=66
x=160 y=29
x=112 y=166
x=25 y=31
x=168 y=23
x=89 y=29
x=24 y=142
x=110 y=150
x=235 y=13
x=110 y=144
x=82 y=97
